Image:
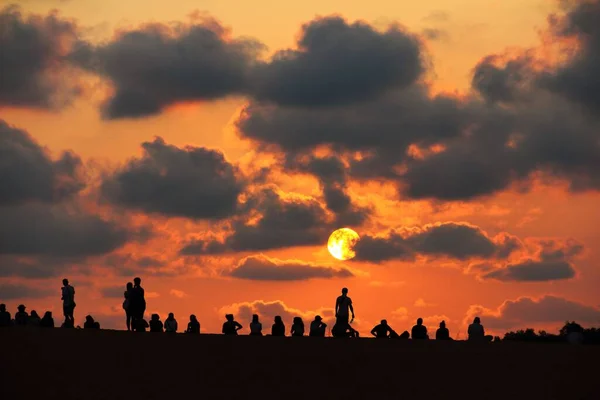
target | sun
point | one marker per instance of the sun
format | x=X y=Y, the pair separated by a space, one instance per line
x=341 y=243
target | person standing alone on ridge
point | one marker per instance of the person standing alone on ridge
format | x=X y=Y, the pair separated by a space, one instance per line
x=68 y=298
x=343 y=307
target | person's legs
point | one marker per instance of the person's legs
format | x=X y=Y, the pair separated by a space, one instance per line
x=128 y=320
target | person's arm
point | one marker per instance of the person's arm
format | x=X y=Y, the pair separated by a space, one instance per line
x=482 y=331
x=238 y=326
x=373 y=332
x=351 y=309
x=337 y=304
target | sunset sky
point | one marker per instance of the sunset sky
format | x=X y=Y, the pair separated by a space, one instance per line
x=211 y=147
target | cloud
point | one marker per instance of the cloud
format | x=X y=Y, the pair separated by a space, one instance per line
x=337 y=62
x=35 y=64
x=156 y=65
x=17 y=291
x=178 y=293
x=263 y=268
x=526 y=310
x=192 y=182
x=552 y=261
x=387 y=283
x=276 y=221
x=455 y=240
x=27 y=173
x=422 y=303
x=524 y=120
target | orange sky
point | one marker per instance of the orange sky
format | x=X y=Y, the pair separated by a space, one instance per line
x=400 y=291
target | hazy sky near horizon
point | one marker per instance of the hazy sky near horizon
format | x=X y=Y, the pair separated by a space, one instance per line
x=211 y=147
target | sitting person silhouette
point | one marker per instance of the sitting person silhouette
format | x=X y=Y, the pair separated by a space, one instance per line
x=231 y=326
x=442 y=333
x=156 y=324
x=476 y=332
x=297 y=327
x=21 y=317
x=405 y=335
x=419 y=331
x=171 y=324
x=90 y=323
x=5 y=317
x=342 y=329
x=141 y=325
x=255 y=326
x=382 y=331
x=193 y=325
x=34 y=319
x=317 y=327
x=278 y=328
x=47 y=320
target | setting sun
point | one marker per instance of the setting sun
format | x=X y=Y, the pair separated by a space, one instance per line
x=341 y=244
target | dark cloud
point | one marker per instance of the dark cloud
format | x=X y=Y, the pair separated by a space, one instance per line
x=192 y=182
x=525 y=310
x=17 y=291
x=500 y=80
x=27 y=173
x=35 y=60
x=578 y=78
x=275 y=222
x=337 y=62
x=453 y=240
x=552 y=262
x=58 y=231
x=263 y=268
x=157 y=65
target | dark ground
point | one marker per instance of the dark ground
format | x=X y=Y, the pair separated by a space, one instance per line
x=87 y=365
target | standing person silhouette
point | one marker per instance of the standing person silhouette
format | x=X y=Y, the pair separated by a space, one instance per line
x=137 y=303
x=68 y=298
x=343 y=307
x=126 y=305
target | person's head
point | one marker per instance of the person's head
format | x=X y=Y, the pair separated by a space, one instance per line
x=129 y=286
x=229 y=317
x=384 y=322
x=34 y=314
x=171 y=316
x=89 y=318
x=48 y=314
x=345 y=291
x=193 y=318
x=476 y=320
x=2 y=307
x=155 y=317
x=443 y=324
x=318 y=318
x=255 y=318
x=21 y=307
x=297 y=320
x=278 y=319
x=65 y=282
x=420 y=321
x=137 y=281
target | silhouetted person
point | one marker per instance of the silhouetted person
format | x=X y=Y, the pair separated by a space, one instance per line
x=419 y=331
x=34 y=319
x=442 y=333
x=90 y=323
x=193 y=325
x=126 y=304
x=156 y=324
x=278 y=328
x=317 y=327
x=171 y=324
x=476 y=332
x=343 y=307
x=297 y=327
x=344 y=330
x=382 y=331
x=68 y=298
x=5 y=317
x=141 y=325
x=21 y=317
x=573 y=333
x=47 y=320
x=405 y=335
x=255 y=326
x=137 y=301
x=231 y=326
